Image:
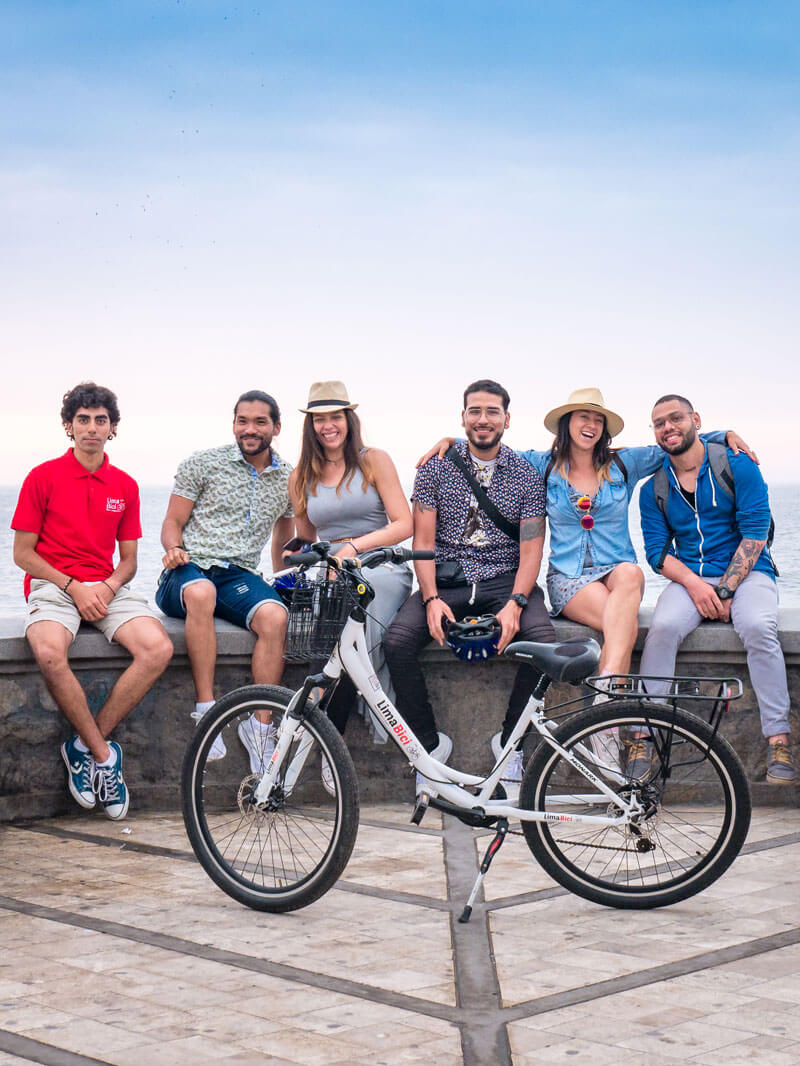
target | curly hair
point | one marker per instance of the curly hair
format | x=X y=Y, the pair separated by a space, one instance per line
x=89 y=395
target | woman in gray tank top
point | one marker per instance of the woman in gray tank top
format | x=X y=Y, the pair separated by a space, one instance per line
x=350 y=495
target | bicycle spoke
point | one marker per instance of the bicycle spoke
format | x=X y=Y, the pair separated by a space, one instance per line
x=287 y=850
x=693 y=817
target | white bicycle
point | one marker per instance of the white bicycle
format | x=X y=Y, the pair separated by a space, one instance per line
x=632 y=802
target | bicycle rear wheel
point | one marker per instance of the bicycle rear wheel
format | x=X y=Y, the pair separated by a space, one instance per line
x=288 y=854
x=693 y=786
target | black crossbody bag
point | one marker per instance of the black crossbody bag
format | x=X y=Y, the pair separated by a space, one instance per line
x=449 y=574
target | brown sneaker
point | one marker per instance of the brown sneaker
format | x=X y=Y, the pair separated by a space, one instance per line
x=641 y=759
x=780 y=769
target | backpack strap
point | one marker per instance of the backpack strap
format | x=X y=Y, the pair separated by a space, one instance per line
x=661 y=490
x=720 y=465
x=548 y=470
x=511 y=529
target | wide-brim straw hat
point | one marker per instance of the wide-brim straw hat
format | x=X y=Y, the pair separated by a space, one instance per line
x=584 y=400
x=324 y=396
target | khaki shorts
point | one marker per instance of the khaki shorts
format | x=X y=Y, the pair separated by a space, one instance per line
x=47 y=603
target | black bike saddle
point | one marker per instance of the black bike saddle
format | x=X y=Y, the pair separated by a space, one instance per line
x=568 y=660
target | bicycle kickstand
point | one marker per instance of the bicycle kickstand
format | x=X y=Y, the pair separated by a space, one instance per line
x=491 y=851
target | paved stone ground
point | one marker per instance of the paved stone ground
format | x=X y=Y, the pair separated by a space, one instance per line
x=116 y=948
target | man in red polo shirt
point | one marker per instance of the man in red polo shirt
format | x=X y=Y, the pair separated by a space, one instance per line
x=71 y=514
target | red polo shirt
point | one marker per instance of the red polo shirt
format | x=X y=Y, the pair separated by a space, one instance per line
x=78 y=516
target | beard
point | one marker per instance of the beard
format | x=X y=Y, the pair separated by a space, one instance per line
x=683 y=445
x=483 y=445
x=253 y=445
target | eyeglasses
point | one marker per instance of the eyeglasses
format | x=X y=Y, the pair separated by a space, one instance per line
x=676 y=419
x=584 y=504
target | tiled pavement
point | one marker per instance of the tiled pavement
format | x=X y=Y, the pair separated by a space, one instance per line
x=116 y=948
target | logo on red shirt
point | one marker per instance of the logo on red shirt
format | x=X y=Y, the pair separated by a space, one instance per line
x=117 y=506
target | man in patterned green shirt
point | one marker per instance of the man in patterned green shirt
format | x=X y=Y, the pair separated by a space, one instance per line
x=224 y=505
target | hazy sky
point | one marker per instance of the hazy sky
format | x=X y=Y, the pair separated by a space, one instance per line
x=200 y=198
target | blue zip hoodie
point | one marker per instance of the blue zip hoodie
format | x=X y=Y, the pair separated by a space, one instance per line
x=708 y=534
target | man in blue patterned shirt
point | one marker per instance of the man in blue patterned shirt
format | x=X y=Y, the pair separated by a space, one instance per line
x=224 y=505
x=499 y=572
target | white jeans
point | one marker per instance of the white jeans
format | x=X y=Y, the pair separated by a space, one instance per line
x=754 y=614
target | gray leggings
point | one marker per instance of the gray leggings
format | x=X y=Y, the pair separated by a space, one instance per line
x=754 y=614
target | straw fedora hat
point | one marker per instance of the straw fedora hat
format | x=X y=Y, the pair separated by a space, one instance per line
x=324 y=396
x=584 y=400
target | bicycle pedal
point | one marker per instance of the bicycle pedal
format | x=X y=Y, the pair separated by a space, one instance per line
x=420 y=807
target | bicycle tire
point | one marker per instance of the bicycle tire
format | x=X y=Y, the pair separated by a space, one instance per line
x=271 y=860
x=700 y=821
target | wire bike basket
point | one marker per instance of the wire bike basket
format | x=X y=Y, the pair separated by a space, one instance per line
x=317 y=614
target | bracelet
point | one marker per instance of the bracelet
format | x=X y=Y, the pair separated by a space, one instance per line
x=68 y=584
x=176 y=547
x=111 y=588
x=355 y=549
x=435 y=596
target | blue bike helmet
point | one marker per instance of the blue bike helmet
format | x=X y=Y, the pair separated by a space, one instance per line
x=473 y=639
x=285 y=583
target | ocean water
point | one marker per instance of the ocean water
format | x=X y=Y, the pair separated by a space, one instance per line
x=785 y=501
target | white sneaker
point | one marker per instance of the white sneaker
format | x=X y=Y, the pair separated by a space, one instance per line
x=606 y=748
x=259 y=739
x=606 y=687
x=512 y=773
x=218 y=749
x=441 y=753
x=327 y=777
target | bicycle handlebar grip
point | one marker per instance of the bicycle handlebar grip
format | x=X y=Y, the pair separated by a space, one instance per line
x=423 y=553
x=302 y=558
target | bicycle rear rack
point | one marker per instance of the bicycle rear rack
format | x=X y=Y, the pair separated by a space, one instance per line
x=719 y=692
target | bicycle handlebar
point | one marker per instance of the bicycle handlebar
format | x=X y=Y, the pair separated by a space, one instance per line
x=375 y=556
x=321 y=552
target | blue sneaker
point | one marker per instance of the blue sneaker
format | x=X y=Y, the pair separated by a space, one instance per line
x=80 y=773
x=110 y=786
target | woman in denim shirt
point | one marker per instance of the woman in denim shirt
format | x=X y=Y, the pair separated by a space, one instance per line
x=593 y=577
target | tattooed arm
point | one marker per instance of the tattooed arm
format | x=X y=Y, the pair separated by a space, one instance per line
x=743 y=561
x=531 y=544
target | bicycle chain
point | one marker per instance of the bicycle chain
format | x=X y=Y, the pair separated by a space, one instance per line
x=597 y=847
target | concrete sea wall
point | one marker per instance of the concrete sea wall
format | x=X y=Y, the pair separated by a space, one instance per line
x=469 y=701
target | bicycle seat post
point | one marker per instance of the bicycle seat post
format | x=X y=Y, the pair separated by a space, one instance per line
x=491 y=851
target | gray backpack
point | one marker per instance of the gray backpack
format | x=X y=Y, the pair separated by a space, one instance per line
x=723 y=475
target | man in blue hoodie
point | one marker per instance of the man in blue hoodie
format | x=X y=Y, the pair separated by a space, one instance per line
x=710 y=540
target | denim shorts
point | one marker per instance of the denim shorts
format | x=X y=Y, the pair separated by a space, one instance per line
x=239 y=592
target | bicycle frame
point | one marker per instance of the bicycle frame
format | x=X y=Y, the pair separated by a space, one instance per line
x=351 y=656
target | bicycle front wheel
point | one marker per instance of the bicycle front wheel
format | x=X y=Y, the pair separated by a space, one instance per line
x=690 y=783
x=287 y=853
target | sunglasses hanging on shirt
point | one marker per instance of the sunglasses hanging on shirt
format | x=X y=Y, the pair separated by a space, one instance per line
x=584 y=505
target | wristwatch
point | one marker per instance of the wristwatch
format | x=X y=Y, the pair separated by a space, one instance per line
x=520 y=600
x=724 y=593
